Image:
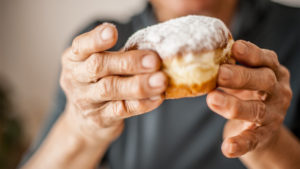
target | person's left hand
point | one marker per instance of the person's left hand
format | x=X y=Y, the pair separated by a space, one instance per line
x=254 y=97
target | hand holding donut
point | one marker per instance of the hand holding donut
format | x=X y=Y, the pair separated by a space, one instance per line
x=254 y=97
x=103 y=88
x=196 y=52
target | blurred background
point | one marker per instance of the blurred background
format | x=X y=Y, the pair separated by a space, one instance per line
x=33 y=35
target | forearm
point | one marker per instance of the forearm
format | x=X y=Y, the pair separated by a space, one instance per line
x=63 y=148
x=284 y=153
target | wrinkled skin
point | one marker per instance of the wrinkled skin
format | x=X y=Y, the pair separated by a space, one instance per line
x=254 y=97
x=103 y=88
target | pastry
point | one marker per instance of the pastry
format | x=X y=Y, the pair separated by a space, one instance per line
x=191 y=48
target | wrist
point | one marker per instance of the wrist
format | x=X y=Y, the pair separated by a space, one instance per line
x=86 y=130
x=64 y=147
x=259 y=157
x=266 y=146
x=282 y=152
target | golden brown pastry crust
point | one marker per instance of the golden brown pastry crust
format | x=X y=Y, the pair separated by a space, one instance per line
x=179 y=91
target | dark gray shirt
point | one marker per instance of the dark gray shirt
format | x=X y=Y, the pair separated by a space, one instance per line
x=184 y=133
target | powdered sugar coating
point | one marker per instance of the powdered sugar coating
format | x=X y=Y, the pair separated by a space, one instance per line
x=181 y=35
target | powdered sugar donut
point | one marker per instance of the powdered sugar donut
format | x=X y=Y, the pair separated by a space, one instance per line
x=191 y=48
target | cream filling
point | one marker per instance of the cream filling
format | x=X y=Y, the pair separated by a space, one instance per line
x=192 y=69
x=195 y=68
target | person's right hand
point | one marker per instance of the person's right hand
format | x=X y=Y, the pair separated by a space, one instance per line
x=103 y=88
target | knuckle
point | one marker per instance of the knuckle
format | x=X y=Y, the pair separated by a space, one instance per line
x=280 y=119
x=62 y=82
x=235 y=109
x=273 y=54
x=259 y=112
x=94 y=66
x=81 y=104
x=140 y=107
x=76 y=45
x=289 y=94
x=274 y=58
x=255 y=60
x=64 y=58
x=287 y=91
x=286 y=99
x=119 y=109
x=231 y=140
x=277 y=119
x=133 y=107
x=285 y=72
x=252 y=140
x=105 y=87
x=99 y=121
x=270 y=78
x=243 y=78
x=125 y=65
x=65 y=83
x=139 y=89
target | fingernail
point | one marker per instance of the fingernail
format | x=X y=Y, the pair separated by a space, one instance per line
x=226 y=73
x=107 y=33
x=233 y=147
x=157 y=80
x=149 y=61
x=75 y=47
x=218 y=99
x=241 y=48
x=155 y=98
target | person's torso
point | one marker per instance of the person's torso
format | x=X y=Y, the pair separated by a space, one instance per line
x=184 y=133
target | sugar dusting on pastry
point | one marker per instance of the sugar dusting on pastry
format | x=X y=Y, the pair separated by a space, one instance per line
x=189 y=33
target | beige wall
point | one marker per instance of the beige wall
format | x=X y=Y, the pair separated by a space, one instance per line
x=33 y=34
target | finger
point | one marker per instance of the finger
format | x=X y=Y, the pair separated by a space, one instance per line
x=240 y=77
x=112 y=112
x=280 y=99
x=283 y=74
x=235 y=127
x=249 y=54
x=101 y=38
x=127 y=88
x=246 y=94
x=231 y=107
x=99 y=65
x=246 y=141
x=117 y=110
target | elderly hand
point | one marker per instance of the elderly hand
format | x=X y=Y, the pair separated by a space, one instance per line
x=103 y=88
x=254 y=97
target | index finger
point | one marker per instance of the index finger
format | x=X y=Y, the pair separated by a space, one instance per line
x=99 y=39
x=251 y=55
